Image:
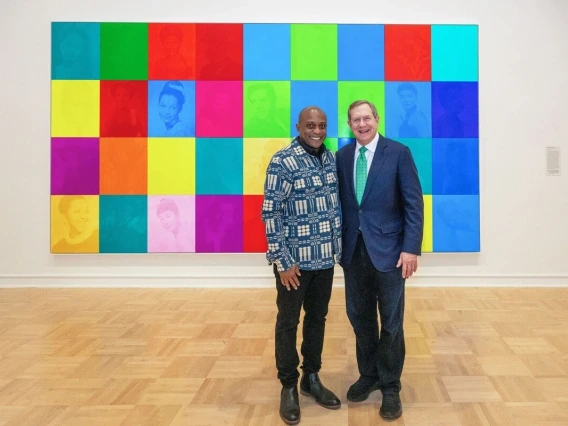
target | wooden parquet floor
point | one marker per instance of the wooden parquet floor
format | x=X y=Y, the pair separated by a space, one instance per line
x=475 y=356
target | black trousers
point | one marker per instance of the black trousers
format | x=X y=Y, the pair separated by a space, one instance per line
x=380 y=356
x=313 y=295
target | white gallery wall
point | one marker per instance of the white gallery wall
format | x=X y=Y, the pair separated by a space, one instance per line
x=523 y=83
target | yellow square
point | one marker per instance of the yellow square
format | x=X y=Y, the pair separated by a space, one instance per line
x=427 y=241
x=171 y=166
x=75 y=108
x=75 y=224
x=257 y=155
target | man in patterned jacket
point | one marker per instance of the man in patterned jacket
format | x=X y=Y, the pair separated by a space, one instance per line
x=303 y=230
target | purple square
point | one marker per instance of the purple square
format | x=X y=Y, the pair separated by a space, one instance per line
x=219 y=224
x=74 y=166
x=455 y=110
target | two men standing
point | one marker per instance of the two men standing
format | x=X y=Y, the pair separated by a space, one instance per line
x=362 y=208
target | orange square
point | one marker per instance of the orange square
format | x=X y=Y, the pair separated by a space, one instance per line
x=124 y=166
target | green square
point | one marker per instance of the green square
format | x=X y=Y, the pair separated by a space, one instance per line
x=266 y=109
x=421 y=150
x=331 y=144
x=124 y=51
x=351 y=91
x=314 y=51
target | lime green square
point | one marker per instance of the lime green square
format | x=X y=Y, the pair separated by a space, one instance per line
x=331 y=144
x=124 y=51
x=266 y=109
x=351 y=91
x=314 y=51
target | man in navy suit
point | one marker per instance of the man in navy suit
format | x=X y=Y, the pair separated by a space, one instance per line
x=383 y=225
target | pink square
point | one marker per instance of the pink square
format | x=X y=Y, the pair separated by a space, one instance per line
x=218 y=109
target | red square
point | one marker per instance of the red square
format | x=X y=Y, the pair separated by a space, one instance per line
x=219 y=52
x=254 y=232
x=171 y=51
x=124 y=108
x=408 y=53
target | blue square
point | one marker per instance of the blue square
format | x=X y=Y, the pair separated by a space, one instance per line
x=455 y=52
x=455 y=165
x=319 y=93
x=219 y=166
x=456 y=223
x=341 y=142
x=124 y=223
x=361 y=41
x=455 y=110
x=266 y=50
x=75 y=51
x=171 y=109
x=408 y=110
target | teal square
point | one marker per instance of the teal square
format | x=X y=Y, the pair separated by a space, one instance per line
x=455 y=53
x=421 y=150
x=124 y=223
x=219 y=166
x=75 y=51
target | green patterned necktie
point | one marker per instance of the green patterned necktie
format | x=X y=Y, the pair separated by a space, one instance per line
x=361 y=174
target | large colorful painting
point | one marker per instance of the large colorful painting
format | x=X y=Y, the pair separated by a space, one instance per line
x=161 y=133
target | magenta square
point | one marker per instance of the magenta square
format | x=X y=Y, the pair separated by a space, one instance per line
x=219 y=223
x=171 y=224
x=74 y=166
x=218 y=109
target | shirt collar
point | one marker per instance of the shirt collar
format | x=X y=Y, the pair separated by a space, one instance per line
x=310 y=150
x=371 y=146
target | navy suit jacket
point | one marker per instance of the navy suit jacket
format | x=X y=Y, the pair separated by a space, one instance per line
x=391 y=214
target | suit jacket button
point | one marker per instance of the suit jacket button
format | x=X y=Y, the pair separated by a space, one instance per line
x=360 y=211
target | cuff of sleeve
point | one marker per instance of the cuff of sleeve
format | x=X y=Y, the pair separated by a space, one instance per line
x=285 y=263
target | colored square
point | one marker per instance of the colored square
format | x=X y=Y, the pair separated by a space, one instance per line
x=171 y=109
x=74 y=224
x=455 y=52
x=219 y=52
x=123 y=166
x=266 y=51
x=75 y=51
x=74 y=166
x=407 y=52
x=428 y=237
x=361 y=41
x=257 y=154
x=455 y=164
x=349 y=92
x=408 y=110
x=124 y=109
x=266 y=109
x=219 y=166
x=171 y=166
x=341 y=142
x=456 y=223
x=254 y=228
x=124 y=51
x=75 y=108
x=421 y=150
x=331 y=144
x=171 y=51
x=171 y=224
x=219 y=109
x=455 y=112
x=319 y=93
x=124 y=223
x=314 y=51
x=219 y=224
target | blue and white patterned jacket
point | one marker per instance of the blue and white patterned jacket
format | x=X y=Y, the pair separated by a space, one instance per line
x=301 y=209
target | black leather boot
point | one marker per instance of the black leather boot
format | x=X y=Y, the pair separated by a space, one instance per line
x=290 y=405
x=312 y=386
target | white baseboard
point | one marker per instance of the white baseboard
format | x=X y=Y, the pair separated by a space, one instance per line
x=262 y=280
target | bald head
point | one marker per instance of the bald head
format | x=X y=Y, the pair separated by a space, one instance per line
x=312 y=108
x=312 y=126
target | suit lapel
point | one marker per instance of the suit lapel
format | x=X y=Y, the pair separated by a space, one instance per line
x=350 y=158
x=378 y=161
